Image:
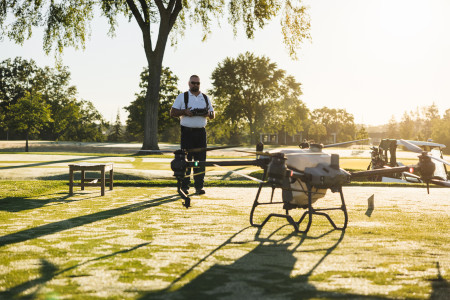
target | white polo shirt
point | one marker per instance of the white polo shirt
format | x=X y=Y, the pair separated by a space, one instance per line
x=193 y=102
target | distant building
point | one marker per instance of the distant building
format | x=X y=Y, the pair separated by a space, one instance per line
x=280 y=138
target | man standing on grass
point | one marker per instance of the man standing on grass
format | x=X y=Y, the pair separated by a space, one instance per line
x=193 y=108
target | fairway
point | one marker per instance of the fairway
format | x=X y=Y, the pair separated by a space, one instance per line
x=140 y=243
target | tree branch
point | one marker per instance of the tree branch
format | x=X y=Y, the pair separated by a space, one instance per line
x=145 y=10
x=136 y=13
x=161 y=8
x=144 y=25
x=171 y=4
x=176 y=11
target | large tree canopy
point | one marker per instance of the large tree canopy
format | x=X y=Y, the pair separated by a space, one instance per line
x=30 y=114
x=252 y=90
x=337 y=122
x=72 y=119
x=169 y=128
x=66 y=24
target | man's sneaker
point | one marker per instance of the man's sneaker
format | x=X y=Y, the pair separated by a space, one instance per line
x=200 y=192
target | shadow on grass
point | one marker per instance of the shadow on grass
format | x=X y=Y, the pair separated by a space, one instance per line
x=44 y=163
x=265 y=272
x=50 y=271
x=43 y=230
x=440 y=287
x=17 y=204
x=77 y=176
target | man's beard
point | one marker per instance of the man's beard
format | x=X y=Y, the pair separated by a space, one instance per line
x=195 y=89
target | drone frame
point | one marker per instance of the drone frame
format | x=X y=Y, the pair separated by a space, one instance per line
x=310 y=210
x=262 y=161
x=277 y=175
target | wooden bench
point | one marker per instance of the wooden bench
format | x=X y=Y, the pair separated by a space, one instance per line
x=83 y=167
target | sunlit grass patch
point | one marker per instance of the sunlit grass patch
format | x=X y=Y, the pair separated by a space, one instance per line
x=139 y=242
x=30 y=188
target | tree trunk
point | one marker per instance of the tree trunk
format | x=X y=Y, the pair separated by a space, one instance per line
x=168 y=15
x=151 y=106
x=252 y=132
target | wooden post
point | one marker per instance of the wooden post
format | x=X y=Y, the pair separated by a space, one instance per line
x=82 y=180
x=103 y=181
x=111 y=179
x=70 y=180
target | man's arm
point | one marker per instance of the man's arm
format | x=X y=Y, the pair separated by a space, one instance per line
x=211 y=114
x=174 y=112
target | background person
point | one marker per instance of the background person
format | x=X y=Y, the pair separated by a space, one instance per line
x=193 y=108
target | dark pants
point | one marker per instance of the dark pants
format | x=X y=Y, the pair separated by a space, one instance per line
x=194 y=138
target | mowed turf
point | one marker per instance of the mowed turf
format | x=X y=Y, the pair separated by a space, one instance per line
x=141 y=243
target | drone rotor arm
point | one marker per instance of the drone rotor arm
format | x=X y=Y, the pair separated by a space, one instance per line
x=440 y=182
x=384 y=171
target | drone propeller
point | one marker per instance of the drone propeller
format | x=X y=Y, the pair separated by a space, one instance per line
x=411 y=146
x=440 y=160
x=258 y=180
x=417 y=149
x=260 y=153
x=192 y=150
x=344 y=143
x=256 y=152
x=244 y=175
x=412 y=175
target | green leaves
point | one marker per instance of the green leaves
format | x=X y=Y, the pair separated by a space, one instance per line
x=66 y=24
x=72 y=119
x=335 y=121
x=252 y=90
x=168 y=128
x=30 y=113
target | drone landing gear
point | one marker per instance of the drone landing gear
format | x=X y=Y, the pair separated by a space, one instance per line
x=309 y=212
x=187 y=200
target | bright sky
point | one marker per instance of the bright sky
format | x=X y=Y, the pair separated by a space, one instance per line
x=374 y=58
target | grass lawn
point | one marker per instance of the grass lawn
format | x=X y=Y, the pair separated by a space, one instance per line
x=138 y=242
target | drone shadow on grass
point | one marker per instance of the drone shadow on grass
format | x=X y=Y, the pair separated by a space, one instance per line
x=50 y=271
x=265 y=272
x=51 y=228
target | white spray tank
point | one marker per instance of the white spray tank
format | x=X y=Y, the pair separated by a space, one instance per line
x=299 y=159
